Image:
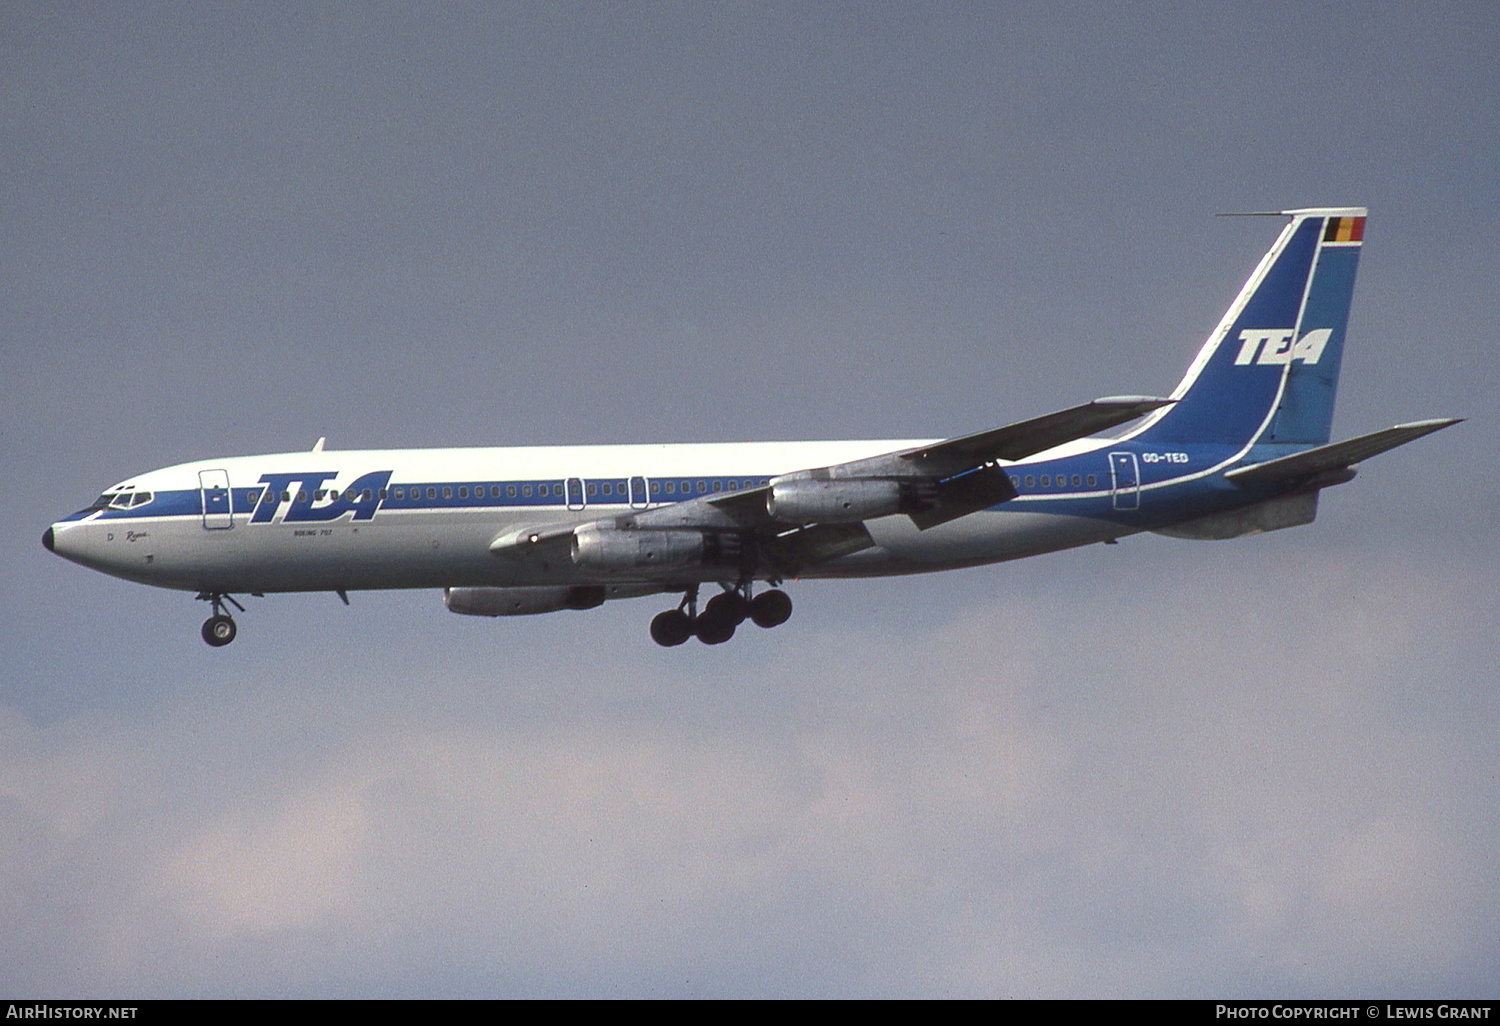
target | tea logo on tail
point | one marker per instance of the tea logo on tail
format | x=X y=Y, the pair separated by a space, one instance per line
x=1276 y=346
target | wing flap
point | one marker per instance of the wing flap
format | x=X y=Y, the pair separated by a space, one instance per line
x=967 y=493
x=819 y=543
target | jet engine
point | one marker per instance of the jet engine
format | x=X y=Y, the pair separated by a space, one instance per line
x=807 y=501
x=521 y=601
x=611 y=549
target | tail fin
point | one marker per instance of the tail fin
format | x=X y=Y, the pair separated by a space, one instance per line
x=1269 y=371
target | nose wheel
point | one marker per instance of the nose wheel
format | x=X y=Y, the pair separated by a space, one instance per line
x=721 y=616
x=219 y=629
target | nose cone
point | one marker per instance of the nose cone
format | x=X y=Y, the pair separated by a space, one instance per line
x=69 y=540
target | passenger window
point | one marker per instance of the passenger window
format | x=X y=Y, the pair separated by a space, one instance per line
x=1077 y=480
x=364 y=496
x=1015 y=481
x=1046 y=480
x=734 y=486
x=510 y=491
x=447 y=493
x=1030 y=481
x=400 y=493
x=526 y=491
x=593 y=488
x=671 y=487
x=1091 y=479
x=718 y=486
x=494 y=491
x=463 y=491
x=432 y=493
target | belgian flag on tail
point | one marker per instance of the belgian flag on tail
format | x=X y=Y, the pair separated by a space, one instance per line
x=1344 y=229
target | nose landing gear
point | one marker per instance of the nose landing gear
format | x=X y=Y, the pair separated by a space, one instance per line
x=721 y=615
x=219 y=629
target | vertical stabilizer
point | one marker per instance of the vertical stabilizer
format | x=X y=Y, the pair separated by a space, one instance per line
x=1270 y=369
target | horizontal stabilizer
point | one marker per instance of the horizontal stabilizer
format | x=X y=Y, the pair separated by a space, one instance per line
x=1029 y=437
x=1337 y=456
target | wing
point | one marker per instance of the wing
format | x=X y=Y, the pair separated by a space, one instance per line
x=1029 y=437
x=933 y=484
x=811 y=516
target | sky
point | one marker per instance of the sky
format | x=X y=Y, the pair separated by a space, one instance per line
x=1262 y=767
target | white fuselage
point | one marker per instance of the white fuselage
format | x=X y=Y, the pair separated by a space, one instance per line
x=425 y=518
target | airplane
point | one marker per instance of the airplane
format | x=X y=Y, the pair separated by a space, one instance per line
x=1241 y=446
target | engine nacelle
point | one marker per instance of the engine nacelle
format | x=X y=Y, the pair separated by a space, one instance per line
x=602 y=548
x=521 y=601
x=805 y=501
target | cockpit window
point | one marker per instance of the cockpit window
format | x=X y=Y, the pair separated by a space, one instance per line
x=123 y=499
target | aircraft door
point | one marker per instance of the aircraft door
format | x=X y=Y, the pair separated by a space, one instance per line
x=639 y=497
x=573 y=489
x=1125 y=476
x=213 y=487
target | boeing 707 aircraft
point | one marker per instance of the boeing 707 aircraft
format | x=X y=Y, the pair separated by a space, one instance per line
x=1240 y=446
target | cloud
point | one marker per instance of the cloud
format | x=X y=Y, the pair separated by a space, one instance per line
x=1213 y=777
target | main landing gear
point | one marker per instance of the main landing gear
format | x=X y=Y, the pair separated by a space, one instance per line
x=219 y=629
x=721 y=615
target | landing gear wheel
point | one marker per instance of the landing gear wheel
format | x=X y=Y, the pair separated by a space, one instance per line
x=715 y=629
x=771 y=609
x=729 y=606
x=723 y=613
x=219 y=630
x=671 y=628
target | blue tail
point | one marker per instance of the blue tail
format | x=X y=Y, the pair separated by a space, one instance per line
x=1269 y=371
